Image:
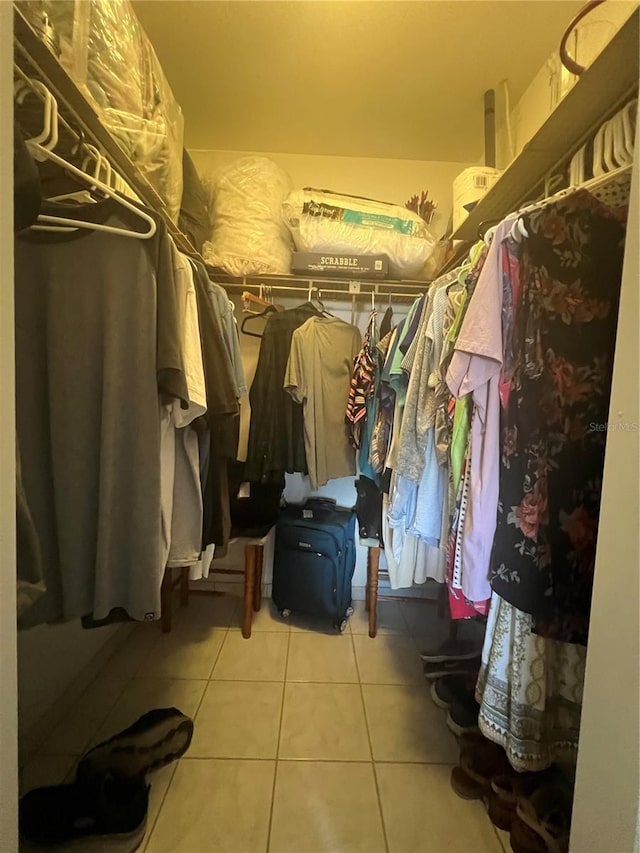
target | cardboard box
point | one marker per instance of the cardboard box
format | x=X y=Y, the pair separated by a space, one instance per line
x=340 y=265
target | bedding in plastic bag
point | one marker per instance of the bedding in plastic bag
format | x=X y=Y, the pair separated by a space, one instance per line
x=104 y=49
x=249 y=236
x=323 y=221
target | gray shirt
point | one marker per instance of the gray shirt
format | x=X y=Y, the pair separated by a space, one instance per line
x=96 y=341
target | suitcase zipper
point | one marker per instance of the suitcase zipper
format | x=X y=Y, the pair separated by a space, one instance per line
x=325 y=532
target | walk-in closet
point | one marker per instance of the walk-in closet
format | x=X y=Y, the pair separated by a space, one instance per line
x=320 y=459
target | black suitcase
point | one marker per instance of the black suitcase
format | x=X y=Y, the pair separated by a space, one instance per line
x=315 y=557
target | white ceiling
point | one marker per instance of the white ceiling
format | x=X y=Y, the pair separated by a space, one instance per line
x=392 y=79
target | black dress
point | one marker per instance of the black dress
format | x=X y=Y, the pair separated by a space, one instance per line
x=276 y=432
x=554 y=427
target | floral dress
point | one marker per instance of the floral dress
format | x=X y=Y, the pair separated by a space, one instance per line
x=561 y=338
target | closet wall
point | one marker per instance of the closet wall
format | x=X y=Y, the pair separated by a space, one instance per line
x=388 y=180
x=537 y=102
x=49 y=659
x=610 y=728
x=8 y=693
x=297 y=487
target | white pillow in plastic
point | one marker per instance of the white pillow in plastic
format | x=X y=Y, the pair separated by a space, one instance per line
x=249 y=237
x=322 y=221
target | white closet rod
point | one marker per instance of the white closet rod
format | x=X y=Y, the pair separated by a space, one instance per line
x=590 y=184
x=324 y=291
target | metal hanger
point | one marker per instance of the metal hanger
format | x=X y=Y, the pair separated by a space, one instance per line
x=270 y=309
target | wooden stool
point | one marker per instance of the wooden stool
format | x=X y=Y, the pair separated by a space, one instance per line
x=169 y=585
x=371 y=594
x=253 y=563
x=372 y=597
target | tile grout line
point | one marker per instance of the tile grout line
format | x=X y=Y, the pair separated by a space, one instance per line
x=277 y=762
x=126 y=682
x=404 y=619
x=319 y=760
x=118 y=695
x=166 y=792
x=373 y=763
x=215 y=663
x=150 y=830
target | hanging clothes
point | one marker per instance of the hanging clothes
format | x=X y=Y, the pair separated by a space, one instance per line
x=219 y=428
x=97 y=349
x=408 y=559
x=529 y=689
x=381 y=416
x=554 y=426
x=559 y=298
x=180 y=451
x=363 y=380
x=30 y=586
x=276 y=434
x=366 y=374
x=224 y=310
x=318 y=376
x=475 y=369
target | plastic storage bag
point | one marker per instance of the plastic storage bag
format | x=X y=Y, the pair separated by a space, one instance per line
x=249 y=237
x=102 y=46
x=323 y=221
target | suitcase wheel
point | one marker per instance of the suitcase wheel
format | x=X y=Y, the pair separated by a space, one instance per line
x=341 y=627
x=285 y=613
x=350 y=611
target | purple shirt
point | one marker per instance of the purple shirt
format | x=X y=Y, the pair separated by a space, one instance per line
x=475 y=369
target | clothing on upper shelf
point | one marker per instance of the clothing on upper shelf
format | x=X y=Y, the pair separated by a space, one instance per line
x=318 y=375
x=195 y=217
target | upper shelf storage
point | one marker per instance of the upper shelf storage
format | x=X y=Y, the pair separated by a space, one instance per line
x=599 y=92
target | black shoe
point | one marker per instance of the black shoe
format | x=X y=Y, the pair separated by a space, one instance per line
x=110 y=815
x=468 y=668
x=157 y=738
x=445 y=690
x=462 y=717
x=453 y=650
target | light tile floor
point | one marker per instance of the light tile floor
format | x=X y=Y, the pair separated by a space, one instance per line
x=305 y=741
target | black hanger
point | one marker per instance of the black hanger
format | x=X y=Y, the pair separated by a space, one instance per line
x=268 y=310
x=484 y=226
x=319 y=306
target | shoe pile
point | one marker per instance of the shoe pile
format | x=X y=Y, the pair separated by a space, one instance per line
x=535 y=808
x=105 y=808
x=452 y=670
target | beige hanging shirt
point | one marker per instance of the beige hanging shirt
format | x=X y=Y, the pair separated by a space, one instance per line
x=318 y=375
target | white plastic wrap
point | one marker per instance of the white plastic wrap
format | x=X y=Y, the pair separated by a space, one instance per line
x=322 y=221
x=249 y=237
x=104 y=49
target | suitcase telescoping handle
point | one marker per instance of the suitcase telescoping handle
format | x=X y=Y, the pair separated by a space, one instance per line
x=320 y=503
